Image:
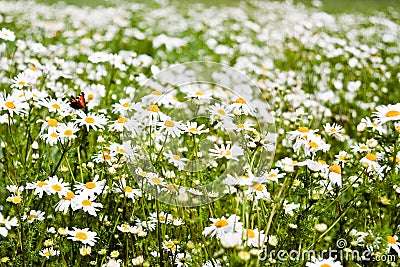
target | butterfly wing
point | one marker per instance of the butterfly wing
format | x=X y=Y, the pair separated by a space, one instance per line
x=78 y=102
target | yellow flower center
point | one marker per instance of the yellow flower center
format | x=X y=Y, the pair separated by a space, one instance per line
x=371 y=156
x=122 y=120
x=86 y=203
x=41 y=184
x=169 y=123
x=126 y=105
x=21 y=83
x=90 y=96
x=221 y=112
x=391 y=240
x=193 y=130
x=258 y=187
x=321 y=161
x=272 y=175
x=47 y=253
x=128 y=189
x=155 y=92
x=153 y=108
x=228 y=153
x=221 y=223
x=335 y=168
x=56 y=106
x=392 y=113
x=176 y=157
x=156 y=180
x=313 y=144
x=68 y=132
x=32 y=217
x=52 y=123
x=89 y=120
x=240 y=101
x=55 y=135
x=325 y=265
x=81 y=235
x=56 y=187
x=303 y=129
x=250 y=233
x=90 y=185
x=198 y=93
x=240 y=126
x=70 y=195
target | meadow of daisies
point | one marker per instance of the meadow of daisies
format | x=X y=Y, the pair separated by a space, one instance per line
x=138 y=171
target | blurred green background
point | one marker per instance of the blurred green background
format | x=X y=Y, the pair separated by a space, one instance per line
x=330 y=6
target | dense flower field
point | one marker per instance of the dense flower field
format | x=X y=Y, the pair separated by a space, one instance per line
x=103 y=165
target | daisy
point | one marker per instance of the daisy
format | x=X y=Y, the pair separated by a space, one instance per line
x=7 y=35
x=124 y=106
x=172 y=128
x=91 y=120
x=359 y=148
x=199 y=92
x=118 y=125
x=241 y=107
x=176 y=160
x=254 y=237
x=91 y=188
x=393 y=243
x=162 y=217
x=40 y=187
x=220 y=112
x=128 y=191
x=387 y=113
x=23 y=79
x=105 y=156
x=258 y=191
x=55 y=105
x=151 y=115
x=49 y=252
x=370 y=160
x=245 y=126
x=67 y=131
x=82 y=235
x=231 y=240
x=51 y=138
x=170 y=245
x=125 y=228
x=246 y=179
x=192 y=128
x=373 y=125
x=334 y=130
x=86 y=203
x=56 y=185
x=65 y=202
x=227 y=151
x=6 y=224
x=49 y=124
x=301 y=133
x=335 y=174
x=98 y=57
x=323 y=263
x=273 y=175
x=13 y=104
x=290 y=207
x=154 y=179
x=341 y=157
x=222 y=226
x=34 y=216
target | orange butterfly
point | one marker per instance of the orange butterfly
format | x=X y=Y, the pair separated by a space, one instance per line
x=78 y=102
